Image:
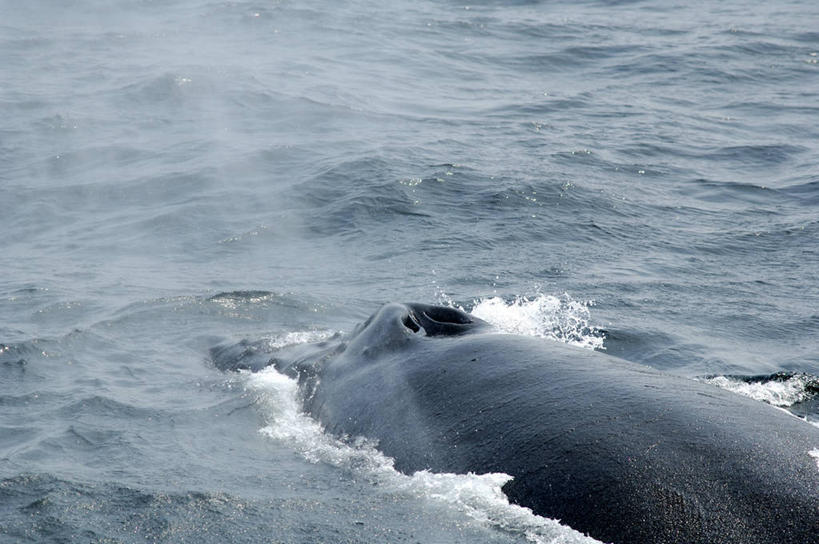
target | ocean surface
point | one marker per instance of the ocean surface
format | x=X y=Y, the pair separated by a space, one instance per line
x=637 y=177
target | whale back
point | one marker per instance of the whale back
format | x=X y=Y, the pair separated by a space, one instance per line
x=617 y=450
x=614 y=449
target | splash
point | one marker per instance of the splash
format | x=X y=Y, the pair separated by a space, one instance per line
x=478 y=496
x=778 y=390
x=562 y=319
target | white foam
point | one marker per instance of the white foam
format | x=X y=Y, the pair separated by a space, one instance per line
x=815 y=454
x=779 y=393
x=558 y=318
x=478 y=496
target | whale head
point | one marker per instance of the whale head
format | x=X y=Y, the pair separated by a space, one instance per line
x=398 y=325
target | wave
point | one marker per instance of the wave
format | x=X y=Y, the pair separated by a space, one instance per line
x=794 y=392
x=41 y=507
x=103 y=406
x=781 y=389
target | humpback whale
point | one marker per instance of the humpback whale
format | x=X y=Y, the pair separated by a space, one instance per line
x=618 y=450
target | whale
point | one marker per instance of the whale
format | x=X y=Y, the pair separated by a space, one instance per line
x=617 y=450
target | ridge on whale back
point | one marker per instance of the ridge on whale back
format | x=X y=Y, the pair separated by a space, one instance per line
x=617 y=450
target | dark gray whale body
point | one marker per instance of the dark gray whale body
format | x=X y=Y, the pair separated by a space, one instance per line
x=614 y=449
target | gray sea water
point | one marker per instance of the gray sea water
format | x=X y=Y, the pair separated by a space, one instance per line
x=640 y=177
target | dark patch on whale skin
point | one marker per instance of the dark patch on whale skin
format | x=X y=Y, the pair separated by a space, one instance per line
x=614 y=449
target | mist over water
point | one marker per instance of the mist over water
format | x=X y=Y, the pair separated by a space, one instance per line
x=175 y=175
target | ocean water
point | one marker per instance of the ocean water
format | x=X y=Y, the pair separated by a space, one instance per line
x=637 y=177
